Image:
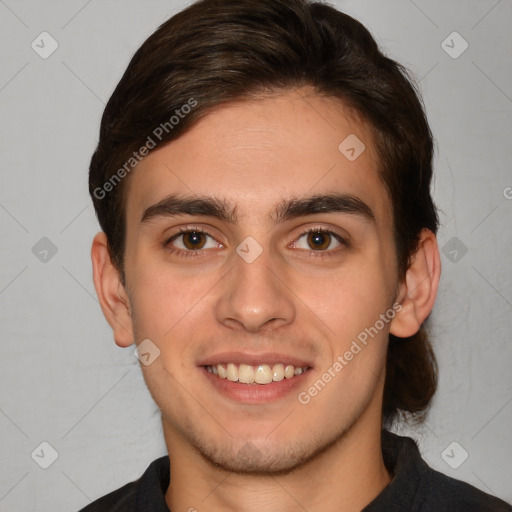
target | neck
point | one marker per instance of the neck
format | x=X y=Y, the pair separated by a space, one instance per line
x=346 y=477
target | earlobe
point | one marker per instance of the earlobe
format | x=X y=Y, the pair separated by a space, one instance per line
x=418 y=290
x=111 y=292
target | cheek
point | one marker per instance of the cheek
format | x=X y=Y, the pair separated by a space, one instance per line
x=166 y=303
x=354 y=297
x=359 y=311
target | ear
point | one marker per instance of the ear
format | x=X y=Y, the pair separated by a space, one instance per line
x=417 y=292
x=111 y=292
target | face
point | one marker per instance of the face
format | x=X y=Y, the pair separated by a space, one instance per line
x=234 y=273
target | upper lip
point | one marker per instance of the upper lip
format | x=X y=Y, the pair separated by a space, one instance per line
x=269 y=358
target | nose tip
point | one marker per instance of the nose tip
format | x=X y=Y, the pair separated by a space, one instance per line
x=254 y=322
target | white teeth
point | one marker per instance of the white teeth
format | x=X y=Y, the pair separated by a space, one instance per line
x=261 y=374
x=232 y=372
x=222 y=372
x=289 y=371
x=277 y=372
x=245 y=374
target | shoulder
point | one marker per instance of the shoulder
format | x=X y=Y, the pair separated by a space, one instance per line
x=416 y=487
x=443 y=493
x=122 y=499
x=148 y=492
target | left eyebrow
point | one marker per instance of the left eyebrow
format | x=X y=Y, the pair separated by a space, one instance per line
x=173 y=205
x=324 y=203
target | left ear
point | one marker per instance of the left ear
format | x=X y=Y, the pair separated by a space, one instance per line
x=418 y=290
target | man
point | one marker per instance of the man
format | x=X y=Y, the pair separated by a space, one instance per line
x=262 y=181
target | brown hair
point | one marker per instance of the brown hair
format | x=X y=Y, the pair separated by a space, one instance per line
x=219 y=51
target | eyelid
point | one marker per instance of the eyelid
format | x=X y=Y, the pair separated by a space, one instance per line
x=323 y=229
x=343 y=241
x=188 y=229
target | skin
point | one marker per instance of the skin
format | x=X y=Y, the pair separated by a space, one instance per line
x=281 y=455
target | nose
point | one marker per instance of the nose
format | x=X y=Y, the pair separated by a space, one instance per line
x=254 y=296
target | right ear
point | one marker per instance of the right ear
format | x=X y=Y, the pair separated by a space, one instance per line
x=111 y=292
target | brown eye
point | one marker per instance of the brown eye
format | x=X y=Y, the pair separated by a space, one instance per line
x=190 y=241
x=319 y=240
x=194 y=240
x=322 y=241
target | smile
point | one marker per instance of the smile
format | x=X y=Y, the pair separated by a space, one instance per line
x=258 y=374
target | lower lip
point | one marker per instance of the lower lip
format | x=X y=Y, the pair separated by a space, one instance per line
x=255 y=393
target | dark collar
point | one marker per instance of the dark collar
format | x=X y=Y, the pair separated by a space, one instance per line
x=403 y=461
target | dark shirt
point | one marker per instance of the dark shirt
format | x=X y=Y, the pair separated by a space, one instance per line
x=415 y=487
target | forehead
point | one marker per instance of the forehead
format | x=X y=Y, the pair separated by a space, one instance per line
x=255 y=154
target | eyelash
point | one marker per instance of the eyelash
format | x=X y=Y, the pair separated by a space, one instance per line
x=196 y=253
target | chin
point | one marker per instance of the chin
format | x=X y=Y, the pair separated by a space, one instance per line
x=262 y=457
x=251 y=460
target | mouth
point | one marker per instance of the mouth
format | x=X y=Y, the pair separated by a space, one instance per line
x=262 y=374
x=257 y=378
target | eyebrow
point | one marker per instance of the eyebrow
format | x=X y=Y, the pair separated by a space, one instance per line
x=173 y=206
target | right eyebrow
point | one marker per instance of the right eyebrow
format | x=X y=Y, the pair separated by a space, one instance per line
x=172 y=206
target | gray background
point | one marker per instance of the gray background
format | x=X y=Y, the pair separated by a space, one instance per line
x=64 y=381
